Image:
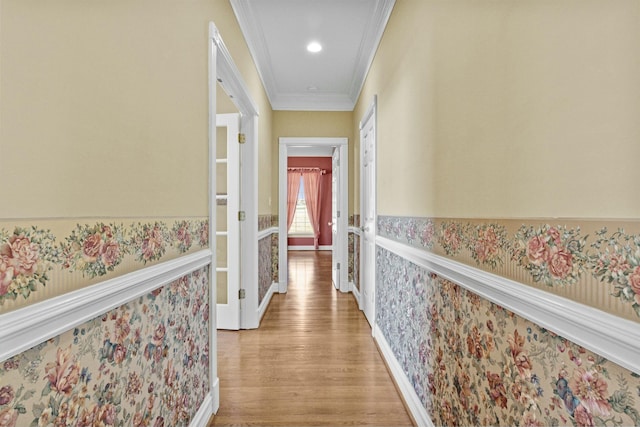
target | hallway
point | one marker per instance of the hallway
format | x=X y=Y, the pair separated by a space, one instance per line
x=311 y=362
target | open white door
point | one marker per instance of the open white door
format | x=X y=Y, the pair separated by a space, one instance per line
x=335 y=208
x=368 y=212
x=227 y=224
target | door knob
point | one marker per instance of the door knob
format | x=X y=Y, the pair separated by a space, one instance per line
x=329 y=223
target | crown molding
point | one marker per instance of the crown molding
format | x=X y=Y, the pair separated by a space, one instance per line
x=369 y=46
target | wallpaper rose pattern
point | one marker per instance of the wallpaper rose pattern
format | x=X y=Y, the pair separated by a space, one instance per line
x=145 y=363
x=472 y=362
x=553 y=255
x=28 y=255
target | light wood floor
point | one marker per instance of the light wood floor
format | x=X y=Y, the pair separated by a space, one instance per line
x=311 y=362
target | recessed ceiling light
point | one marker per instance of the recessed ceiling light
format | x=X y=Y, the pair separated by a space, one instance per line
x=314 y=47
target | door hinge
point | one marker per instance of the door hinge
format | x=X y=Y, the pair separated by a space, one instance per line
x=242 y=293
x=242 y=138
x=338 y=266
x=241 y=215
x=338 y=214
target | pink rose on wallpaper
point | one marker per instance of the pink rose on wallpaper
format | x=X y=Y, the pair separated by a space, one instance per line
x=452 y=238
x=204 y=234
x=158 y=335
x=537 y=250
x=122 y=328
x=6 y=274
x=159 y=422
x=591 y=390
x=92 y=247
x=6 y=395
x=427 y=233
x=560 y=262
x=110 y=252
x=152 y=243
x=119 y=353
x=487 y=245
x=106 y=230
x=618 y=264
x=583 y=417
x=184 y=236
x=8 y=417
x=63 y=374
x=554 y=234
x=634 y=282
x=22 y=254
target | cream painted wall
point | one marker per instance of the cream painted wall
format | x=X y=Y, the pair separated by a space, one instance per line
x=508 y=109
x=104 y=106
x=336 y=124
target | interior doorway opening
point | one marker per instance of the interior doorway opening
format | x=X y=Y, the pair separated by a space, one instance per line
x=328 y=158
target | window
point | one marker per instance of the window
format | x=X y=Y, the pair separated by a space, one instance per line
x=301 y=225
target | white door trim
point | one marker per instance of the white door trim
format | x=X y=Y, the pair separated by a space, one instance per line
x=340 y=247
x=224 y=71
x=371 y=113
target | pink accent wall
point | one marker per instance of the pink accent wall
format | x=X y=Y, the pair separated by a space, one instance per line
x=325 y=215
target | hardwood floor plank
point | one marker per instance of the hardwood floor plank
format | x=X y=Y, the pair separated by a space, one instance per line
x=312 y=362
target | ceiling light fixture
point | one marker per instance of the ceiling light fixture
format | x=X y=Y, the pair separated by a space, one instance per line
x=314 y=47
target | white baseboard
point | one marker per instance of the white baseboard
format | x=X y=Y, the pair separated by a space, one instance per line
x=409 y=395
x=215 y=390
x=201 y=418
x=356 y=294
x=309 y=248
x=266 y=300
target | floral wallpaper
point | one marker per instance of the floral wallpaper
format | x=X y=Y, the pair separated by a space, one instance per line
x=145 y=363
x=472 y=362
x=264 y=266
x=354 y=259
x=29 y=255
x=574 y=260
x=275 y=258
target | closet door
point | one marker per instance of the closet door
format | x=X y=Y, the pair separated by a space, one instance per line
x=227 y=227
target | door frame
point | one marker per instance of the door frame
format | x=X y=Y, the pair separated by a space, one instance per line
x=340 y=247
x=223 y=70
x=371 y=113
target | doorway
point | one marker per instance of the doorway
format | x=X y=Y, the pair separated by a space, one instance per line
x=337 y=149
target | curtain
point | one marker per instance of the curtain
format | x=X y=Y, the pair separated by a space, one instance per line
x=312 y=198
x=293 y=187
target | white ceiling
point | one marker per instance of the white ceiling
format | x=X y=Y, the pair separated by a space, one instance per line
x=278 y=31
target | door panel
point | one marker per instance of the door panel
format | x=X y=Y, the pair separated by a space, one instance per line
x=335 y=208
x=368 y=218
x=227 y=227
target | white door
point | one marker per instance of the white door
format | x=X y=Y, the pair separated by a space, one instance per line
x=227 y=227
x=368 y=213
x=335 y=208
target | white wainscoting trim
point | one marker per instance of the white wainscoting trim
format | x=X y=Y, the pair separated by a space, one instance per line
x=201 y=418
x=356 y=293
x=267 y=232
x=610 y=336
x=409 y=395
x=29 y=326
x=266 y=300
